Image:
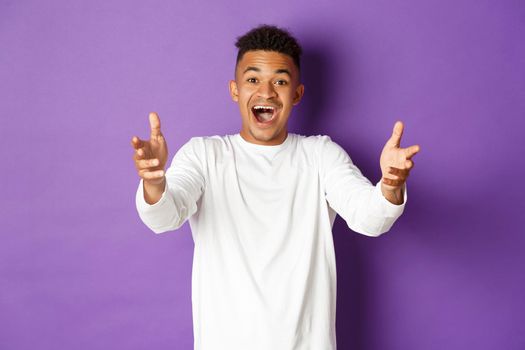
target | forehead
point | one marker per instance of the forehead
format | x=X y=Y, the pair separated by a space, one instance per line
x=268 y=61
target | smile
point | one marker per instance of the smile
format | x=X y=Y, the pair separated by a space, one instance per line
x=264 y=114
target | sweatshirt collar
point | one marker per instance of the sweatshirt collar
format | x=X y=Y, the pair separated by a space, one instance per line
x=264 y=148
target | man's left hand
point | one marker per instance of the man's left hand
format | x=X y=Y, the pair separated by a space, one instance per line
x=396 y=163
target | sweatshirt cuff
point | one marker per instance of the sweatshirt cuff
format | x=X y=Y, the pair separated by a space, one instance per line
x=391 y=209
x=144 y=206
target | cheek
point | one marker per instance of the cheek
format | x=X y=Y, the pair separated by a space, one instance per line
x=287 y=95
x=288 y=101
x=244 y=95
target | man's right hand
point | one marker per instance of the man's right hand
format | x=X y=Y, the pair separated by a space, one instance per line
x=150 y=158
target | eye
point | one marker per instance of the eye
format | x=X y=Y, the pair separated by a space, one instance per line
x=281 y=82
x=251 y=80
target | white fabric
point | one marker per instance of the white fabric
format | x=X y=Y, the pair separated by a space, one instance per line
x=261 y=217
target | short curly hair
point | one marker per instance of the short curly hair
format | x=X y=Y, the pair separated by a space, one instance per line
x=269 y=38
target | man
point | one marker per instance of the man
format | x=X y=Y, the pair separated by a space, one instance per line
x=261 y=206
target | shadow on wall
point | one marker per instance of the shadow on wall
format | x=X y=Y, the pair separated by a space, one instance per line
x=437 y=234
x=310 y=116
x=421 y=224
x=440 y=239
x=318 y=73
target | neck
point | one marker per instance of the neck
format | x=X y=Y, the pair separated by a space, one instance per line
x=261 y=140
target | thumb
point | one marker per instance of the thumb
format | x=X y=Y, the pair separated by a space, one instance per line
x=395 y=139
x=154 y=123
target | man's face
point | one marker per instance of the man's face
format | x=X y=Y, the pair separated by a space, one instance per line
x=266 y=87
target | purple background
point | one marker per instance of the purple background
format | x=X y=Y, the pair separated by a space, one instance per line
x=79 y=270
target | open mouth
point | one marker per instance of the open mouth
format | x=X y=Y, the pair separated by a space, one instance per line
x=264 y=114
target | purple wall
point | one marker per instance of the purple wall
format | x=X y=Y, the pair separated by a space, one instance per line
x=79 y=270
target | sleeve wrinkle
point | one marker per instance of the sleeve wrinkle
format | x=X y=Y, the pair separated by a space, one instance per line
x=185 y=184
x=352 y=195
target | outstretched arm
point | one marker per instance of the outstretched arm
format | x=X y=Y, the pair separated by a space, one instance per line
x=166 y=199
x=367 y=209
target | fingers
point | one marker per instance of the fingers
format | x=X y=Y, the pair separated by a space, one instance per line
x=411 y=151
x=144 y=164
x=146 y=167
x=136 y=142
x=151 y=175
x=154 y=123
x=139 y=157
x=139 y=154
x=147 y=163
x=400 y=173
x=394 y=183
x=397 y=133
x=398 y=179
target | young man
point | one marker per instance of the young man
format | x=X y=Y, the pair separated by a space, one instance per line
x=261 y=206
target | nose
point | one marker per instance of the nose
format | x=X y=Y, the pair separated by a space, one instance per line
x=266 y=90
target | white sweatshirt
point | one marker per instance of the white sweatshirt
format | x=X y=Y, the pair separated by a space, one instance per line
x=261 y=217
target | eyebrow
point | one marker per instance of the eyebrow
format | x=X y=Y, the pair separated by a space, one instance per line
x=277 y=71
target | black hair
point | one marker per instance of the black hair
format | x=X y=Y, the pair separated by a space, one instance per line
x=269 y=38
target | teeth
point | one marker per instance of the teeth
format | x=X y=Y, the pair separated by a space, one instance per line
x=264 y=113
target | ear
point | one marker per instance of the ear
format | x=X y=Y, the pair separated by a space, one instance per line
x=234 y=92
x=299 y=92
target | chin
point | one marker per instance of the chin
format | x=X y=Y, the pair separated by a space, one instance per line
x=263 y=135
x=266 y=135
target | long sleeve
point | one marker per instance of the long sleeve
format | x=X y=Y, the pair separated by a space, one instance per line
x=361 y=204
x=185 y=183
